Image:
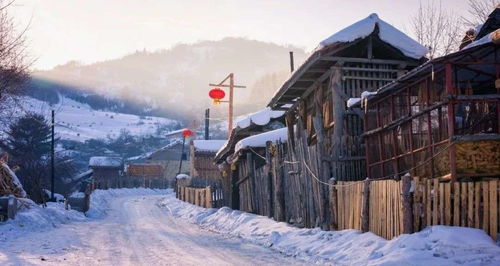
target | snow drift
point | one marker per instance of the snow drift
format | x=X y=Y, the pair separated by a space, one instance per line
x=436 y=245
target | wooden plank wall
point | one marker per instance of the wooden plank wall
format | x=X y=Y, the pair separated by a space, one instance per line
x=254 y=187
x=349 y=203
x=386 y=208
x=202 y=197
x=467 y=204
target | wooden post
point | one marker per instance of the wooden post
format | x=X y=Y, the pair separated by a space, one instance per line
x=251 y=177
x=279 y=214
x=365 y=213
x=451 y=120
x=235 y=194
x=338 y=118
x=11 y=207
x=269 y=167
x=333 y=205
x=407 y=204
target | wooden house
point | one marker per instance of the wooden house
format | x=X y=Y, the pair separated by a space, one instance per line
x=146 y=175
x=257 y=187
x=441 y=120
x=168 y=157
x=107 y=171
x=324 y=137
x=251 y=124
x=202 y=154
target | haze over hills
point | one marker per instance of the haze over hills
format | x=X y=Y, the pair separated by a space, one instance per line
x=173 y=82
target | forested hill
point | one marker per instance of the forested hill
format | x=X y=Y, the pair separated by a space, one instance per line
x=173 y=82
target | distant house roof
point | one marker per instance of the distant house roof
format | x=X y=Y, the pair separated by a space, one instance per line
x=103 y=161
x=350 y=45
x=208 y=145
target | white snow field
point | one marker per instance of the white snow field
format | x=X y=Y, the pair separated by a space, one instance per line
x=79 y=122
x=151 y=227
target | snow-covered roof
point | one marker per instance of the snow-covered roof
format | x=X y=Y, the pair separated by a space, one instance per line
x=103 y=161
x=491 y=37
x=208 y=145
x=260 y=140
x=261 y=118
x=387 y=33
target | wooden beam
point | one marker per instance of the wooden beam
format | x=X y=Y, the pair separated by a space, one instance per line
x=306 y=80
x=366 y=78
x=370 y=69
x=225 y=86
x=366 y=60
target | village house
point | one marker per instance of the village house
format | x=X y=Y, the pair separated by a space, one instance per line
x=107 y=171
x=202 y=154
x=324 y=138
x=251 y=124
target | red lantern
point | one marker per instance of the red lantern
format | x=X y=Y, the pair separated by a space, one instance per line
x=187 y=133
x=216 y=94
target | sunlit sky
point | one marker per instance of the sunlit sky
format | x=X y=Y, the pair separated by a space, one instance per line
x=94 y=30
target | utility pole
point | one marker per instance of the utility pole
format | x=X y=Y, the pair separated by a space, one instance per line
x=231 y=87
x=182 y=155
x=52 y=160
x=292 y=67
x=207 y=123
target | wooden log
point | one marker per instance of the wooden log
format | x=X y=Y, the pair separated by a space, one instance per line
x=493 y=209
x=269 y=175
x=365 y=214
x=407 y=205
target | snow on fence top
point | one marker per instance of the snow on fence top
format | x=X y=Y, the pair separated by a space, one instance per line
x=261 y=139
x=387 y=33
x=208 y=145
x=102 y=161
x=260 y=118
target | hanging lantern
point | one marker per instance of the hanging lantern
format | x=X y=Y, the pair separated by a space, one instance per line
x=216 y=94
x=187 y=133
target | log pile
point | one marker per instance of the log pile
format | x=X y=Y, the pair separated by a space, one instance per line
x=9 y=183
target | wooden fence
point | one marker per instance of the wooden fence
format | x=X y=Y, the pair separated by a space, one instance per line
x=198 y=196
x=468 y=204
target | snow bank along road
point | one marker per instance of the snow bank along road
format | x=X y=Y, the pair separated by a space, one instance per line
x=132 y=230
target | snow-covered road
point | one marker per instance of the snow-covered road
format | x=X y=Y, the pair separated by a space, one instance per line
x=135 y=231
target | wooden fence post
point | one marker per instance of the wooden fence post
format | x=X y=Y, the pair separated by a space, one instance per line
x=208 y=197
x=269 y=167
x=365 y=214
x=333 y=204
x=407 y=204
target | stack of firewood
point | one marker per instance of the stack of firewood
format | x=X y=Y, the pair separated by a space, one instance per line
x=9 y=183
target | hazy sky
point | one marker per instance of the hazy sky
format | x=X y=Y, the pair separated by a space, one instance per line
x=95 y=30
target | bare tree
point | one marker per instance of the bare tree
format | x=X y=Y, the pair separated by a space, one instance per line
x=436 y=28
x=478 y=11
x=14 y=62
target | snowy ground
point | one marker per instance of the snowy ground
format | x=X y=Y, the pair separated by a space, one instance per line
x=77 y=121
x=147 y=227
x=130 y=230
